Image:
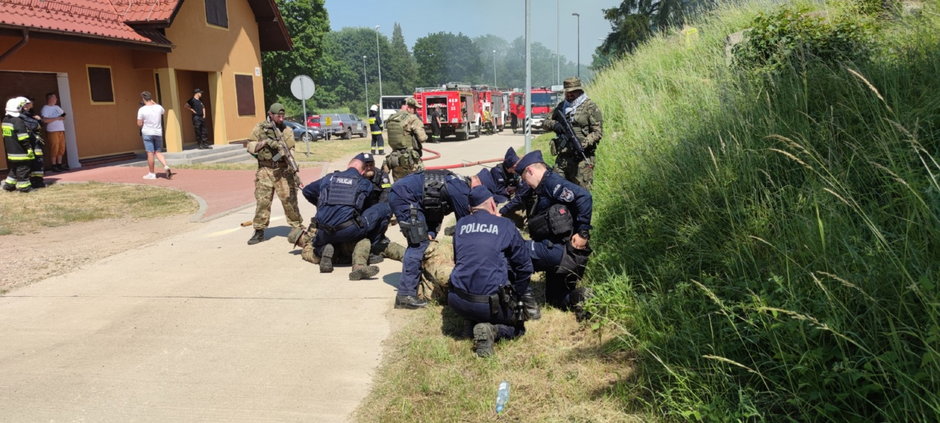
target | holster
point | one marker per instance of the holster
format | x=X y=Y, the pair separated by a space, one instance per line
x=573 y=262
x=414 y=230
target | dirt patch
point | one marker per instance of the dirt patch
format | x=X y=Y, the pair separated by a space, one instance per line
x=56 y=250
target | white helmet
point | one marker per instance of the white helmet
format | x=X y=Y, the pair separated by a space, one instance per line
x=374 y=108
x=15 y=104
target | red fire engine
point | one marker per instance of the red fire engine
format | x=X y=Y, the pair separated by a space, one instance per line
x=543 y=101
x=495 y=101
x=459 y=107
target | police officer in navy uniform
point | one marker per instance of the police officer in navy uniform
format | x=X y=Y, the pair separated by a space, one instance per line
x=491 y=274
x=342 y=217
x=559 y=224
x=420 y=201
x=501 y=180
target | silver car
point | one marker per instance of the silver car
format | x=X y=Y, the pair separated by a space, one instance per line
x=344 y=125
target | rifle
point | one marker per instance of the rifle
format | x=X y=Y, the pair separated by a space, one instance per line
x=567 y=136
x=283 y=150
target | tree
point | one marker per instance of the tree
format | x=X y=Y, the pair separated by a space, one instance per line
x=444 y=57
x=635 y=21
x=307 y=22
x=400 y=75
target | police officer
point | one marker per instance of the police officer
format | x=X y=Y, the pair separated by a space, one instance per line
x=270 y=142
x=588 y=125
x=501 y=180
x=18 y=142
x=198 y=109
x=375 y=125
x=492 y=272
x=420 y=201
x=342 y=217
x=405 y=135
x=559 y=224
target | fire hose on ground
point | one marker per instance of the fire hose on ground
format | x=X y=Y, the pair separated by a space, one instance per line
x=437 y=155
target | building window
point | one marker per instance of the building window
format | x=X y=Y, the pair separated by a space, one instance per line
x=245 y=95
x=217 y=13
x=99 y=83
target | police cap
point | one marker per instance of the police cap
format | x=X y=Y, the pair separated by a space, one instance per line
x=510 y=159
x=365 y=158
x=525 y=161
x=478 y=195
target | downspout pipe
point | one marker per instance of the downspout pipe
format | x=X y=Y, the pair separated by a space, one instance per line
x=16 y=46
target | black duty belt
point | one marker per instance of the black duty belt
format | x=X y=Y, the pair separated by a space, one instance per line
x=272 y=164
x=337 y=228
x=485 y=299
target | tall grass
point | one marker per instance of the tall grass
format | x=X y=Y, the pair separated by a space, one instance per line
x=771 y=246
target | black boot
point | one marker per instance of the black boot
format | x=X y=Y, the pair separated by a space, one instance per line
x=326 y=259
x=375 y=259
x=409 y=301
x=362 y=272
x=257 y=237
x=531 y=307
x=484 y=336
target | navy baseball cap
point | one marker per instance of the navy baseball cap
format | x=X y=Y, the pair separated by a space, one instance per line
x=365 y=158
x=510 y=159
x=478 y=195
x=525 y=161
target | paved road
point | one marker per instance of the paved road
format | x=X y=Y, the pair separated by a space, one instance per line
x=202 y=327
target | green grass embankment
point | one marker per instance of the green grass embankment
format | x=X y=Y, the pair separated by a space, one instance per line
x=770 y=242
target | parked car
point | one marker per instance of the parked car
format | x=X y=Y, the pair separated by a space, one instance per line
x=312 y=134
x=344 y=125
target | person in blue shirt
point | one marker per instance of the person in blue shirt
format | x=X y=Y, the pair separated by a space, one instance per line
x=501 y=180
x=491 y=274
x=420 y=201
x=342 y=217
x=559 y=224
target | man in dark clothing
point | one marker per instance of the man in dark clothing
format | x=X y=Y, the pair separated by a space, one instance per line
x=342 y=218
x=501 y=180
x=195 y=105
x=559 y=224
x=420 y=201
x=435 y=118
x=18 y=143
x=491 y=274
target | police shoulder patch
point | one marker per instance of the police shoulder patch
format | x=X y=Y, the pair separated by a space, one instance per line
x=566 y=195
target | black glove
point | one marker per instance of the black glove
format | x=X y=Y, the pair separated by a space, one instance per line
x=558 y=128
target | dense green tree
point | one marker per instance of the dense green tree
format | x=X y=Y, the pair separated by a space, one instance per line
x=444 y=57
x=307 y=22
x=399 y=69
x=635 y=21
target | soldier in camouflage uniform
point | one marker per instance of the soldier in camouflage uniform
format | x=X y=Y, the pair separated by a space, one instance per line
x=270 y=143
x=405 y=136
x=587 y=122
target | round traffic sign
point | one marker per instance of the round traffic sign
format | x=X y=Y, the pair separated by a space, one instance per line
x=302 y=87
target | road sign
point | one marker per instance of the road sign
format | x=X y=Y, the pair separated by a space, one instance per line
x=302 y=87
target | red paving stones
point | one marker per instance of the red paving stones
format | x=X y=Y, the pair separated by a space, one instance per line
x=221 y=191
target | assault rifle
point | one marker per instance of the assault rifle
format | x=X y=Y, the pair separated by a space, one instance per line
x=567 y=136
x=282 y=151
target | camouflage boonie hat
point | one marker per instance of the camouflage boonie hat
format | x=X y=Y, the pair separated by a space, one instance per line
x=573 y=84
x=410 y=101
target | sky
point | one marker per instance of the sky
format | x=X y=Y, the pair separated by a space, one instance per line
x=503 y=18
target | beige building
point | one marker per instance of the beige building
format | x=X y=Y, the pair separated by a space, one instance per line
x=98 y=55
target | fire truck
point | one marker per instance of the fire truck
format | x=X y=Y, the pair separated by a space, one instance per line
x=496 y=101
x=544 y=99
x=459 y=106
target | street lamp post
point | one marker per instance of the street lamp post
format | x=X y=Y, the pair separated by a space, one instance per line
x=366 y=82
x=579 y=42
x=494 y=69
x=557 y=32
x=378 y=55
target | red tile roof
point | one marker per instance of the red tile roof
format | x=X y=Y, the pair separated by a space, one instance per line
x=93 y=18
x=134 y=21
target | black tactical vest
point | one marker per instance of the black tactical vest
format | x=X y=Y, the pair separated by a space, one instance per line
x=340 y=191
x=436 y=199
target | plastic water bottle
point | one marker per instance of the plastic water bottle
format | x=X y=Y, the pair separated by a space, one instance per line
x=502 y=396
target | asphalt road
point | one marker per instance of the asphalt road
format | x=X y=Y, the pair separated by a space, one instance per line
x=202 y=327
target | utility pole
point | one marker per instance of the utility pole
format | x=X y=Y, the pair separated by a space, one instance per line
x=578 y=15
x=528 y=76
x=378 y=55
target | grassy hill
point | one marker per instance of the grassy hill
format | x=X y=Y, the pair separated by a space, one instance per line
x=768 y=215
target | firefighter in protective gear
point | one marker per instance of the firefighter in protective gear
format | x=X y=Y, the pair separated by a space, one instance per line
x=405 y=136
x=18 y=143
x=375 y=125
x=36 y=172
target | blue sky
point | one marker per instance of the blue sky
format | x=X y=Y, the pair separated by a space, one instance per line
x=503 y=18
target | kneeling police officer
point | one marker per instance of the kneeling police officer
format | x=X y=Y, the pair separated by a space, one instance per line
x=490 y=282
x=341 y=217
x=559 y=224
x=420 y=201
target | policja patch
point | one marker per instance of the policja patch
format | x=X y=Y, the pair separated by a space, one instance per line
x=566 y=195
